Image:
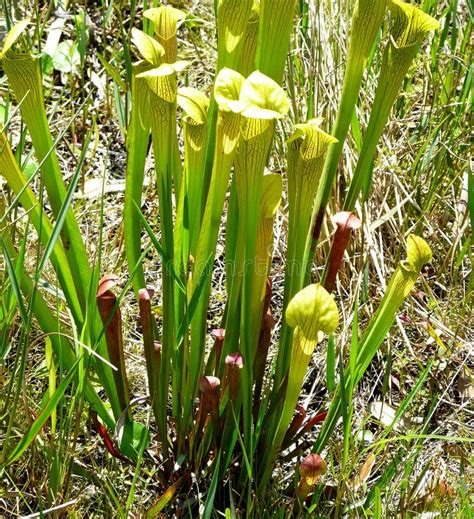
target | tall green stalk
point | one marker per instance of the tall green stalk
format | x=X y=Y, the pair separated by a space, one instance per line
x=366 y=21
x=24 y=77
x=263 y=102
x=194 y=105
x=400 y=286
x=248 y=54
x=163 y=94
x=307 y=150
x=166 y=20
x=161 y=54
x=270 y=199
x=226 y=93
x=311 y=313
x=276 y=24
x=232 y=19
x=231 y=24
x=138 y=137
x=410 y=26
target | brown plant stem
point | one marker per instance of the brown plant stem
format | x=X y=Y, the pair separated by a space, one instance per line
x=152 y=350
x=346 y=222
x=219 y=336
x=300 y=415
x=112 y=318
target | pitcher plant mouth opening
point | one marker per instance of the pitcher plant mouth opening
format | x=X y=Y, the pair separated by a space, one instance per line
x=166 y=20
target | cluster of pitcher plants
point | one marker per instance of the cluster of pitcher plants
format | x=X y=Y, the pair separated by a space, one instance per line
x=224 y=401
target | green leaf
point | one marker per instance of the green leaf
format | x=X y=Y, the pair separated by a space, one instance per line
x=165 y=19
x=411 y=24
x=315 y=141
x=232 y=19
x=271 y=195
x=112 y=72
x=162 y=81
x=51 y=367
x=470 y=196
x=165 y=258
x=64 y=208
x=14 y=283
x=67 y=58
x=138 y=138
x=211 y=494
x=276 y=26
x=131 y=437
x=331 y=366
x=203 y=277
x=166 y=69
x=29 y=169
x=164 y=499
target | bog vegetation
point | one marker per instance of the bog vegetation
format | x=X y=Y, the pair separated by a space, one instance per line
x=217 y=425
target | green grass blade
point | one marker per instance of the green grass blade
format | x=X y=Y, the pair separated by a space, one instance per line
x=64 y=210
x=15 y=178
x=168 y=263
x=193 y=303
x=43 y=416
x=409 y=398
x=211 y=494
x=330 y=366
x=14 y=282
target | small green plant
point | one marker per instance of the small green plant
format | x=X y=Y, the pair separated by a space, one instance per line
x=223 y=411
